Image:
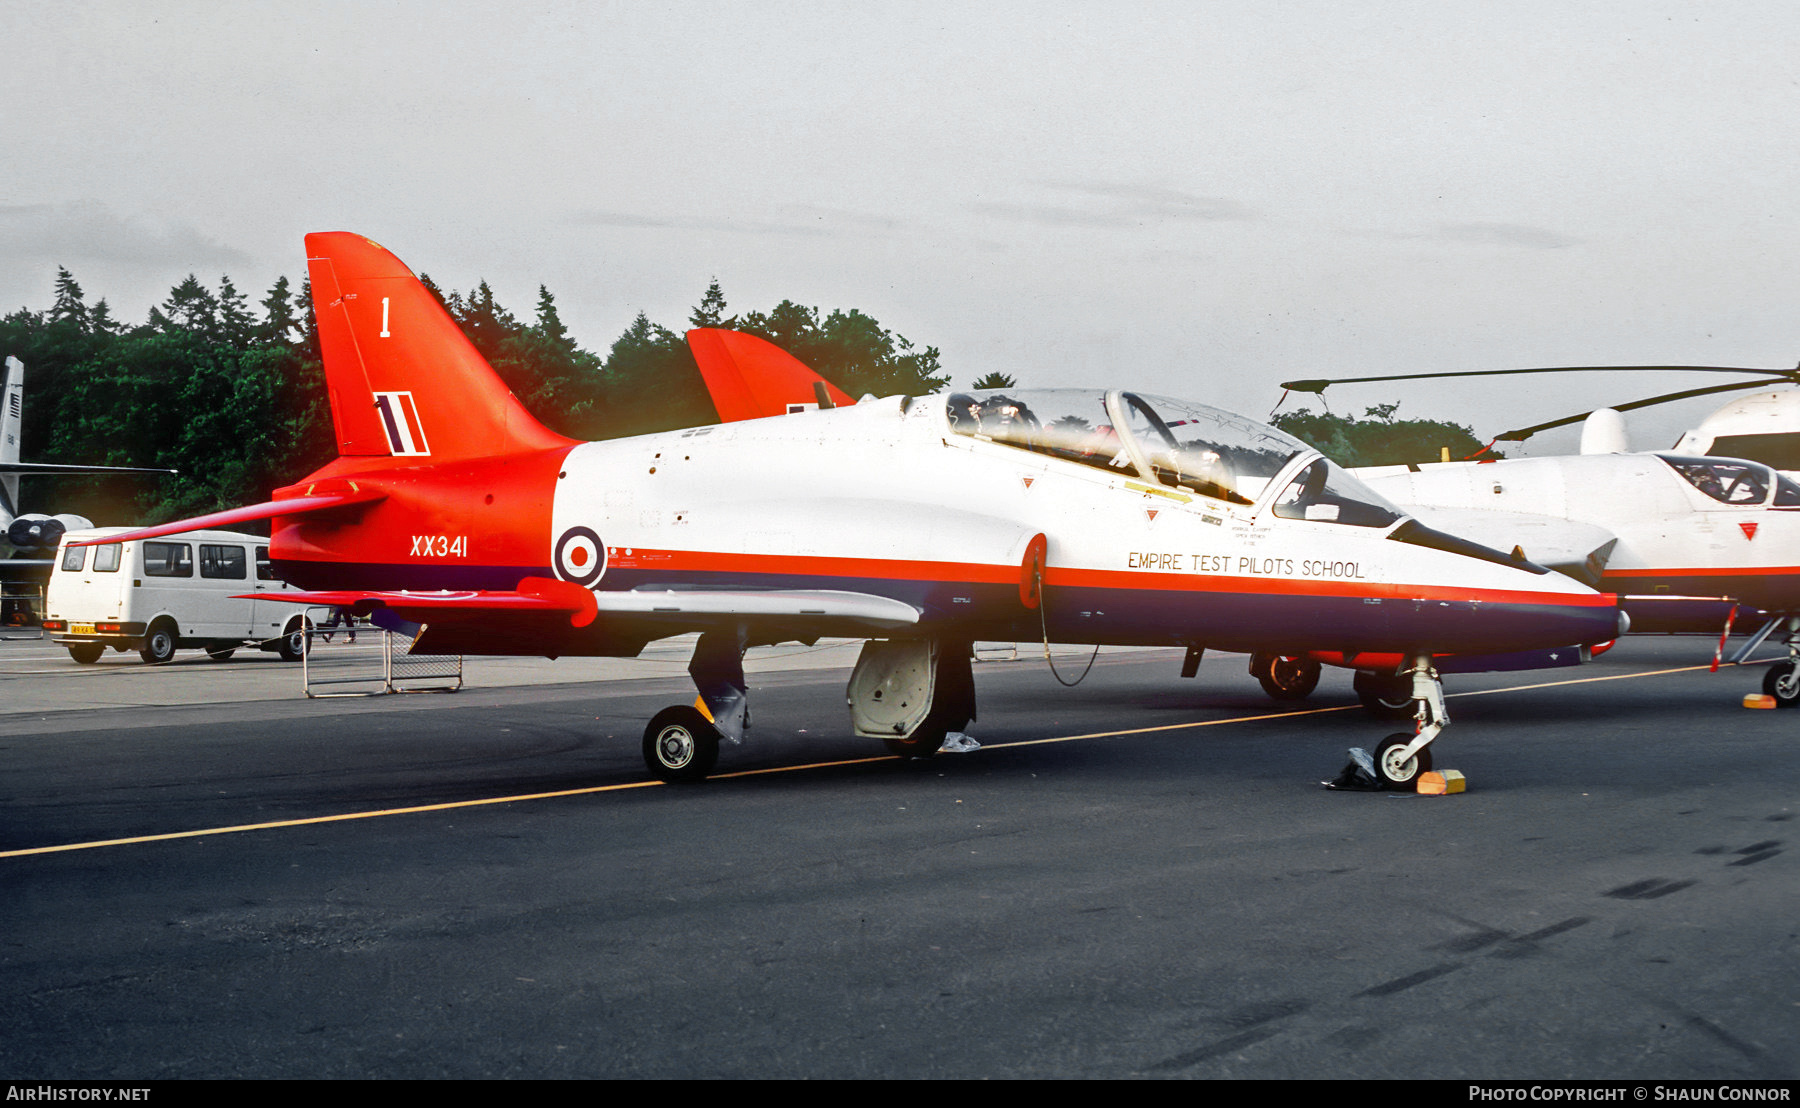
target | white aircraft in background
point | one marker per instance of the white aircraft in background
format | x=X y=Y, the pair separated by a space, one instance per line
x=33 y=533
x=1692 y=541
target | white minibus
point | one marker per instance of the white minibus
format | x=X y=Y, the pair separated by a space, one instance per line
x=157 y=596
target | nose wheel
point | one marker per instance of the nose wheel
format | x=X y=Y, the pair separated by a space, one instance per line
x=1396 y=768
x=1782 y=681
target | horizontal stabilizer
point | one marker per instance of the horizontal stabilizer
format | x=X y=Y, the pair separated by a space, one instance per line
x=50 y=469
x=293 y=506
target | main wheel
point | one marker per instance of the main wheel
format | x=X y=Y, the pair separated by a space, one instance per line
x=1285 y=678
x=293 y=640
x=159 y=644
x=220 y=653
x=1385 y=696
x=1395 y=772
x=680 y=745
x=87 y=653
x=922 y=743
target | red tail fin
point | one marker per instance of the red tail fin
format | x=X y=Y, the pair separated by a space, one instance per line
x=749 y=378
x=404 y=380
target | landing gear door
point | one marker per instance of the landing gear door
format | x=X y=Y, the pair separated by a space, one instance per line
x=891 y=690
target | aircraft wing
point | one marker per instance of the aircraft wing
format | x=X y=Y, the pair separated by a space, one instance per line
x=535 y=595
x=849 y=612
x=1578 y=550
x=541 y=610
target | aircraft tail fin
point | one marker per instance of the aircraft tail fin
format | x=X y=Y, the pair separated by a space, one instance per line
x=12 y=429
x=749 y=378
x=404 y=381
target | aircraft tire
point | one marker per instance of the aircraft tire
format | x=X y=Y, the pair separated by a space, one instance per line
x=1385 y=696
x=680 y=745
x=1782 y=681
x=220 y=653
x=159 y=643
x=1285 y=678
x=1397 y=774
x=87 y=653
x=922 y=743
x=293 y=639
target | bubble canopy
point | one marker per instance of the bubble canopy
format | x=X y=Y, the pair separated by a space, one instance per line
x=1179 y=444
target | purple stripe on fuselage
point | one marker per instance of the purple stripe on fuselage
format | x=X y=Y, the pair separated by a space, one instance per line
x=1221 y=620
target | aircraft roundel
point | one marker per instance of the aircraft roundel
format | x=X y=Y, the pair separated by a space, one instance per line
x=580 y=556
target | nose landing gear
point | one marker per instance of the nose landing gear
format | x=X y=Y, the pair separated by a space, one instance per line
x=1401 y=758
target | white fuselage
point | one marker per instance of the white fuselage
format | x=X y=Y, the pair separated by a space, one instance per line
x=883 y=497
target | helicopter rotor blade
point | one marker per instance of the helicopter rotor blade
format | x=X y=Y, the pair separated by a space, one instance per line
x=1319 y=385
x=1526 y=432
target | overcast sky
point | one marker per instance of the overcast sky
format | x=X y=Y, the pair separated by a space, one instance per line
x=1195 y=198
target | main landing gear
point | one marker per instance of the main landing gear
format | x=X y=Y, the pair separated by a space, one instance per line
x=909 y=693
x=1285 y=678
x=682 y=742
x=912 y=693
x=1401 y=757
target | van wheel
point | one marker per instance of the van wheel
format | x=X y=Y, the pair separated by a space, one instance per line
x=293 y=640
x=159 y=644
x=87 y=653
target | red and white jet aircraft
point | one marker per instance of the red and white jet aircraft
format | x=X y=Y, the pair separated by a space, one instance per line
x=922 y=524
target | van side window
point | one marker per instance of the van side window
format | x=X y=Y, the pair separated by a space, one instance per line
x=222 y=562
x=264 y=570
x=106 y=558
x=168 y=559
x=74 y=558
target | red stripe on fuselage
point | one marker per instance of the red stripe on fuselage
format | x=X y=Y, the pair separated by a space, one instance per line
x=1704 y=571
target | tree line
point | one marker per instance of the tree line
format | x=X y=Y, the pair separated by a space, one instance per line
x=1379 y=439
x=232 y=393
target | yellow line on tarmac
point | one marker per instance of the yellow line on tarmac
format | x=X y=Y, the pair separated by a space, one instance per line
x=1589 y=680
x=445 y=807
x=452 y=805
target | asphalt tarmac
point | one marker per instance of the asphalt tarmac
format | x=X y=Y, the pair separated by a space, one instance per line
x=1137 y=877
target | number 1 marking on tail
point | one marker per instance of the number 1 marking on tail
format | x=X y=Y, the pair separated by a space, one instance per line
x=384 y=317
